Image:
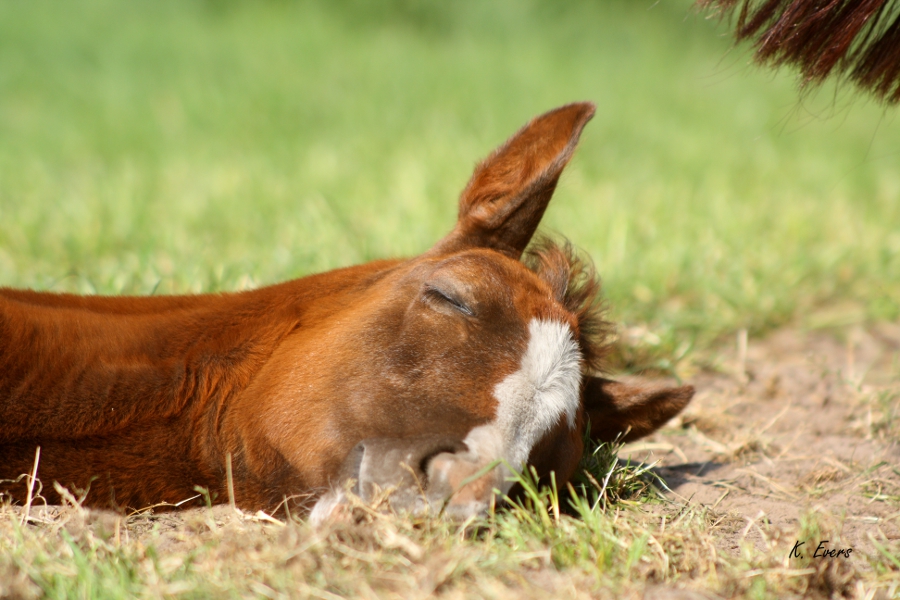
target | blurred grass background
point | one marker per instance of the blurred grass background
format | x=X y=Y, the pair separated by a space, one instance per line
x=174 y=146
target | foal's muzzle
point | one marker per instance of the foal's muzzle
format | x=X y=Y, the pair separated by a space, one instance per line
x=419 y=475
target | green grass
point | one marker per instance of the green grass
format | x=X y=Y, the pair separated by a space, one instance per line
x=184 y=146
x=191 y=146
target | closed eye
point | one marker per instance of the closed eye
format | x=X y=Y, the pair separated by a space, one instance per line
x=437 y=295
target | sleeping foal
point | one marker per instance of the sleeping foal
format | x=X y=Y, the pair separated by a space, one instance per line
x=411 y=374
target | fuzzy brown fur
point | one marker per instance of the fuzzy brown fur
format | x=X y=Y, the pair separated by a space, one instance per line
x=576 y=285
x=856 y=39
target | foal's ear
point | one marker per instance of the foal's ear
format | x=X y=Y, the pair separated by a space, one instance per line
x=615 y=407
x=509 y=191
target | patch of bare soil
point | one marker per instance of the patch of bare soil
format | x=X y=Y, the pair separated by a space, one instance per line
x=796 y=435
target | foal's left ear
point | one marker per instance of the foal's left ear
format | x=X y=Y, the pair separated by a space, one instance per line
x=509 y=191
x=614 y=407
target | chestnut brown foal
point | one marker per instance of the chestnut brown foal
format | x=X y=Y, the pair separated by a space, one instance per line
x=410 y=374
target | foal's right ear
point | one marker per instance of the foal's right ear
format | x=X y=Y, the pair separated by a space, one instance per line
x=504 y=201
x=617 y=408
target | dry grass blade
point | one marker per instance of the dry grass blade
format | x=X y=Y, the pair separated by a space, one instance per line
x=31 y=481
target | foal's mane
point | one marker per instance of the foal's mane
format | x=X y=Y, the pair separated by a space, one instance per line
x=575 y=283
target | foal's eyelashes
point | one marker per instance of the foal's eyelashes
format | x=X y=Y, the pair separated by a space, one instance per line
x=447 y=298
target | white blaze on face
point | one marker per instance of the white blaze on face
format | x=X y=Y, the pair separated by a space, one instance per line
x=531 y=401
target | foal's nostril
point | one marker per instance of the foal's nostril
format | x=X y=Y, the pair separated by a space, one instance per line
x=442 y=447
x=400 y=463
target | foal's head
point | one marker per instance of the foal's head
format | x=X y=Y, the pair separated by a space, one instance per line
x=477 y=352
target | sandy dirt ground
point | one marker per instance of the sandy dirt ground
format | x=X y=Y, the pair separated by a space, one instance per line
x=797 y=424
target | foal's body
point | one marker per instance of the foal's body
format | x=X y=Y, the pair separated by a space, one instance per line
x=437 y=366
x=142 y=388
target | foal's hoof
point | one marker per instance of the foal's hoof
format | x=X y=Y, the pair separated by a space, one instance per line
x=421 y=475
